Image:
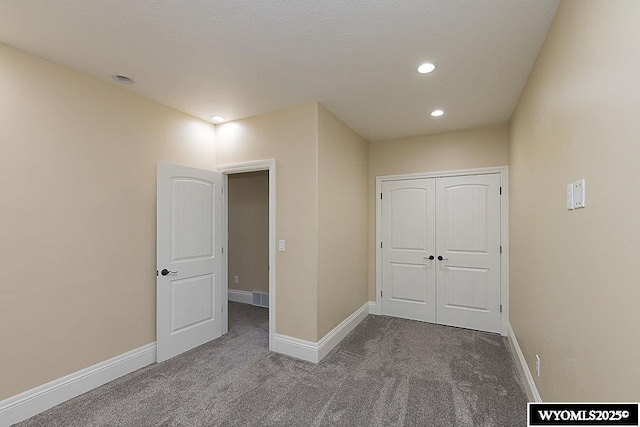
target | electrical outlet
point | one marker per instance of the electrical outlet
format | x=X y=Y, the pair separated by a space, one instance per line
x=538 y=365
x=236 y=279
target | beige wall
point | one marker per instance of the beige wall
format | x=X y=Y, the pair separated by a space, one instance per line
x=289 y=136
x=321 y=182
x=575 y=275
x=342 y=221
x=474 y=148
x=248 y=196
x=78 y=179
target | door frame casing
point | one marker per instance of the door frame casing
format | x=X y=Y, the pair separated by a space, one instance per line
x=504 y=231
x=242 y=167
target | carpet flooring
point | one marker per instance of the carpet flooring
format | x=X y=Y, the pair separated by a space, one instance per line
x=387 y=372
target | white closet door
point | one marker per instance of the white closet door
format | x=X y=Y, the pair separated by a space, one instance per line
x=408 y=240
x=468 y=240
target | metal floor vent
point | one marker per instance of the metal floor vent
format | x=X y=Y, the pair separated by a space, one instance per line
x=261 y=299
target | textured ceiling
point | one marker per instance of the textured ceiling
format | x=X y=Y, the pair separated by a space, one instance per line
x=242 y=58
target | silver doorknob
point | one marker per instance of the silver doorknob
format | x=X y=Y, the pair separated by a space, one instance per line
x=164 y=272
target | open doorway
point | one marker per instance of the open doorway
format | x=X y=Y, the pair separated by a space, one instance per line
x=249 y=258
x=248 y=254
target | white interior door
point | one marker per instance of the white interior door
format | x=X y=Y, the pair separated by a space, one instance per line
x=189 y=297
x=408 y=240
x=468 y=240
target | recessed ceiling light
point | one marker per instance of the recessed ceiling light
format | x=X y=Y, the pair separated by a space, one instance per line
x=437 y=113
x=217 y=119
x=426 y=68
x=123 y=79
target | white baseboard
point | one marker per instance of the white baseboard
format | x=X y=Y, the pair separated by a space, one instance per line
x=244 y=297
x=521 y=362
x=46 y=396
x=294 y=347
x=315 y=351
x=373 y=308
x=41 y=398
x=337 y=334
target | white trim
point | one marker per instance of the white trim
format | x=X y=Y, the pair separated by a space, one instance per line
x=241 y=167
x=244 y=297
x=39 y=399
x=441 y=174
x=224 y=276
x=523 y=368
x=504 y=230
x=374 y=308
x=315 y=351
x=504 y=241
x=337 y=334
x=294 y=347
x=253 y=166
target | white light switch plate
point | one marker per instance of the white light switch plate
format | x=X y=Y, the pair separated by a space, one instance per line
x=579 y=194
x=570 y=196
x=281 y=245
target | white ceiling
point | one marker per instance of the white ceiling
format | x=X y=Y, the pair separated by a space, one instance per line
x=240 y=58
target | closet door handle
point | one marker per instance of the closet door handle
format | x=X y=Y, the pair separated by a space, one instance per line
x=442 y=259
x=431 y=257
x=164 y=272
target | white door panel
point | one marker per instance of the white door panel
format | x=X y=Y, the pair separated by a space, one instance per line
x=408 y=218
x=404 y=278
x=189 y=300
x=192 y=235
x=468 y=238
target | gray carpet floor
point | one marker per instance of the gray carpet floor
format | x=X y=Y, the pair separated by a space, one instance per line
x=387 y=372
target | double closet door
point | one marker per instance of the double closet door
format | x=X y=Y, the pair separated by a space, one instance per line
x=441 y=250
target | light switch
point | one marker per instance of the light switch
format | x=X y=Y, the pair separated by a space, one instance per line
x=281 y=245
x=579 y=194
x=570 y=196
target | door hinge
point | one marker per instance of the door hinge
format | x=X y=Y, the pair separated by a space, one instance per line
x=221 y=190
x=380 y=294
x=222 y=249
x=500 y=308
x=380 y=245
x=380 y=196
x=500 y=248
x=500 y=190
